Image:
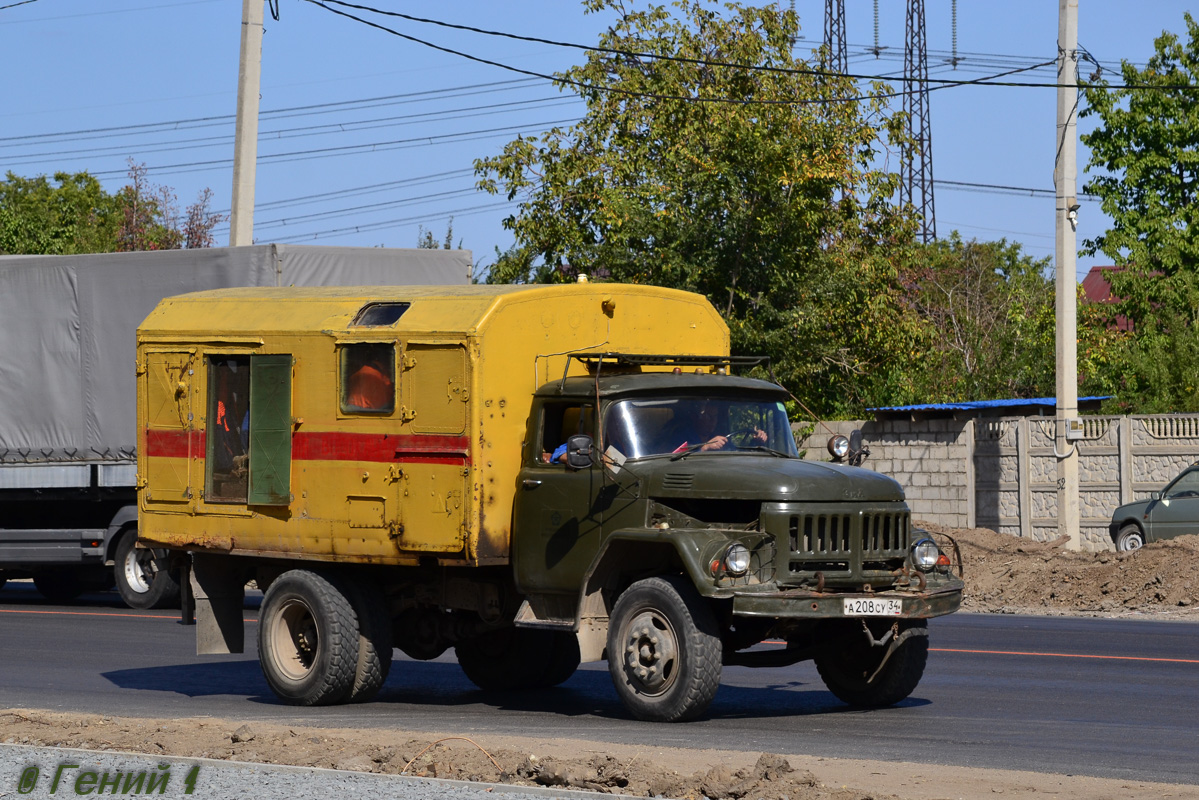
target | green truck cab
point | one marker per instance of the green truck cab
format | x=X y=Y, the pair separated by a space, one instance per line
x=680 y=530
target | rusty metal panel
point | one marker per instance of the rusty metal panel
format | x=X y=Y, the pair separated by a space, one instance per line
x=170 y=446
x=435 y=388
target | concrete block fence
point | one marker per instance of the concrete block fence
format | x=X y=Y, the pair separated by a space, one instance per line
x=1001 y=473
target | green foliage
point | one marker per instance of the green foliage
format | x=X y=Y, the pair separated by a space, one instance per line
x=425 y=240
x=1145 y=161
x=72 y=214
x=75 y=215
x=993 y=308
x=773 y=207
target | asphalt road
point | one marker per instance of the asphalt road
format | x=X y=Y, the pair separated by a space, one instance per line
x=1108 y=698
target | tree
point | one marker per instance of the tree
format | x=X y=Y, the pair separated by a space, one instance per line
x=1145 y=160
x=994 y=309
x=757 y=187
x=150 y=218
x=425 y=240
x=38 y=217
x=71 y=215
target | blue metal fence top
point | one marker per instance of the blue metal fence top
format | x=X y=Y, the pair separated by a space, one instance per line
x=1036 y=406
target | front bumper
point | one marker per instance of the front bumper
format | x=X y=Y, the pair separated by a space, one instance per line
x=937 y=600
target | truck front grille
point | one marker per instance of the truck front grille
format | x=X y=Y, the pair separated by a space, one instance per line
x=860 y=545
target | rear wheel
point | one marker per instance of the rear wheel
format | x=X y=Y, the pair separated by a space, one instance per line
x=374 y=640
x=308 y=640
x=855 y=670
x=664 y=650
x=59 y=586
x=142 y=576
x=1130 y=538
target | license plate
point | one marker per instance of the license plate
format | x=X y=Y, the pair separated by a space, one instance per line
x=872 y=607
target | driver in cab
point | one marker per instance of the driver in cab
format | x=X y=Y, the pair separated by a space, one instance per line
x=696 y=423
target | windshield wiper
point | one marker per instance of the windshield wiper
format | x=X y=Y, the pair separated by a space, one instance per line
x=763 y=448
x=687 y=451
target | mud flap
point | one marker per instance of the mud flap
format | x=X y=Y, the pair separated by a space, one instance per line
x=219 y=589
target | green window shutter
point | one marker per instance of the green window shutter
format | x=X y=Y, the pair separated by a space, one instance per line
x=270 y=430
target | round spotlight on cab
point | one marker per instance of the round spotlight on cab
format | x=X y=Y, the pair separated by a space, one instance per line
x=838 y=446
x=736 y=560
x=925 y=554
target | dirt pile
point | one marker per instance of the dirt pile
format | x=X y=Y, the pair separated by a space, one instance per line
x=1011 y=575
x=392 y=753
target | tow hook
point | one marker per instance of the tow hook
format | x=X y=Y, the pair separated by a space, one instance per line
x=895 y=638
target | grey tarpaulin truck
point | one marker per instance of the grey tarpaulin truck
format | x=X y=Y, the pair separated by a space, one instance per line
x=68 y=471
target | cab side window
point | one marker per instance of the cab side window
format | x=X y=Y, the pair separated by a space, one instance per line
x=560 y=421
x=367 y=378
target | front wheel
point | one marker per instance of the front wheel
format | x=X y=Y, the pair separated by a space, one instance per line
x=868 y=675
x=664 y=650
x=1130 y=538
x=307 y=640
x=142 y=576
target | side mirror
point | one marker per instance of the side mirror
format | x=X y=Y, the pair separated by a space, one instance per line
x=857 y=450
x=579 y=449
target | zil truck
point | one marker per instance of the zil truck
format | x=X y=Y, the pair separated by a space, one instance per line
x=68 y=494
x=534 y=476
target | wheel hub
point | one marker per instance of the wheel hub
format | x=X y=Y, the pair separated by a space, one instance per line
x=139 y=570
x=651 y=652
x=295 y=640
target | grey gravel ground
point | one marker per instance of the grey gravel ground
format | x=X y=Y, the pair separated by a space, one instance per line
x=27 y=771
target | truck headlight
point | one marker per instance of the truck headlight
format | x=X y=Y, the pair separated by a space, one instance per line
x=736 y=559
x=925 y=554
x=838 y=447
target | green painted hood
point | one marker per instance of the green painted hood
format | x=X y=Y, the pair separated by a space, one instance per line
x=763 y=477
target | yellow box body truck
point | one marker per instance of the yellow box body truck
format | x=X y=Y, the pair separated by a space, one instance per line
x=495 y=469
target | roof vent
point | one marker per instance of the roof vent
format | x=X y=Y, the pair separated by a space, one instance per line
x=378 y=315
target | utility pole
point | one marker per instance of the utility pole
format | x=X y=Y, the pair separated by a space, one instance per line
x=245 y=146
x=1065 y=179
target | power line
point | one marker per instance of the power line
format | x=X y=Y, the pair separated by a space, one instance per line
x=369 y=147
x=14 y=5
x=1015 y=190
x=167 y=146
x=342 y=212
x=663 y=57
x=395 y=223
x=284 y=112
x=356 y=191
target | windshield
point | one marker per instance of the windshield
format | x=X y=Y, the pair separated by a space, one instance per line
x=646 y=427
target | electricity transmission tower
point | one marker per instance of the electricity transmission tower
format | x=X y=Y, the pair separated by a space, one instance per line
x=918 y=170
x=834 y=36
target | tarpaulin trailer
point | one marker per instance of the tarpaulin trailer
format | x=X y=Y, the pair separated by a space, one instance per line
x=68 y=473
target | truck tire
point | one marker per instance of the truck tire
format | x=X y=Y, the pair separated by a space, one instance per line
x=664 y=650
x=142 y=576
x=518 y=658
x=307 y=640
x=59 y=585
x=374 y=640
x=847 y=669
x=562 y=658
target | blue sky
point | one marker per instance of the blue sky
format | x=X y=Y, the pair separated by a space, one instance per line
x=365 y=137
